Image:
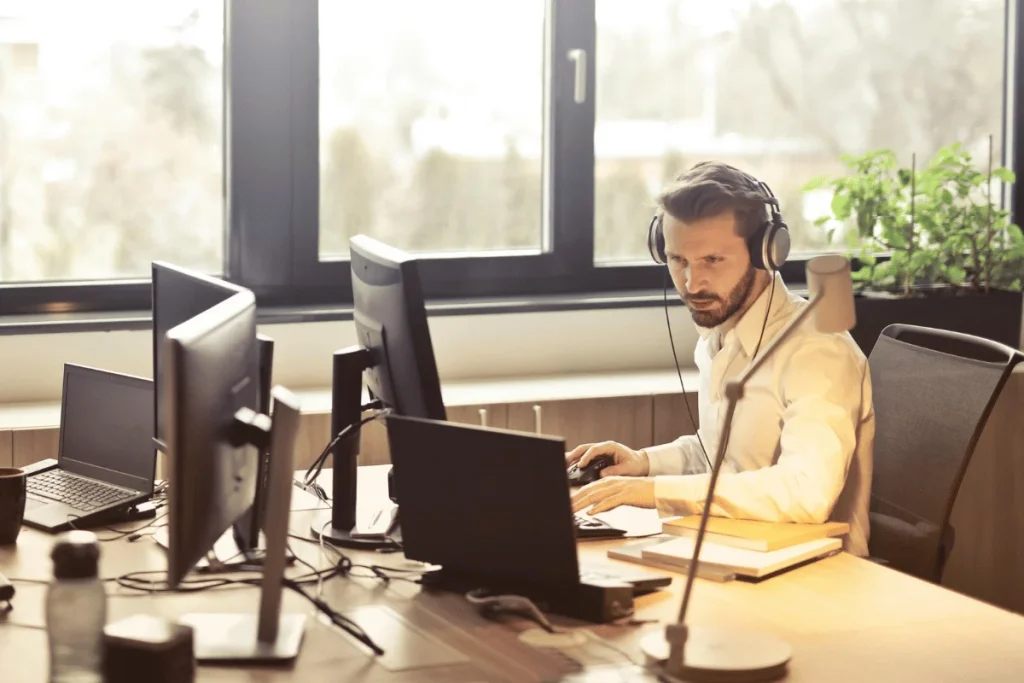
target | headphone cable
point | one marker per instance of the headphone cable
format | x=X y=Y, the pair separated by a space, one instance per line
x=679 y=372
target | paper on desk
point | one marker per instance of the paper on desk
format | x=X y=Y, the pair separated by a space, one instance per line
x=636 y=521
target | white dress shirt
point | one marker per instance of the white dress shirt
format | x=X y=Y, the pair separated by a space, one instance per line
x=801 y=443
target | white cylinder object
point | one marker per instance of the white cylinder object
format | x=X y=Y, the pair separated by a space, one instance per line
x=829 y=275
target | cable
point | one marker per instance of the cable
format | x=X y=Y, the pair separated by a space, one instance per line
x=313 y=471
x=679 y=372
x=757 y=348
x=134 y=581
x=120 y=533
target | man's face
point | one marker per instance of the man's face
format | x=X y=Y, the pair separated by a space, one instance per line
x=710 y=267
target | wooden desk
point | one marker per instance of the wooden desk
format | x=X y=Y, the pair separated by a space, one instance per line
x=847 y=619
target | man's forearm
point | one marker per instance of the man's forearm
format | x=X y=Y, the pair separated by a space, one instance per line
x=682 y=456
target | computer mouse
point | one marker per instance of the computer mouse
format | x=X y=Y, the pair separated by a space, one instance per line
x=581 y=476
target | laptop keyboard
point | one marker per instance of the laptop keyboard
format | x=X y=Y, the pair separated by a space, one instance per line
x=78 y=492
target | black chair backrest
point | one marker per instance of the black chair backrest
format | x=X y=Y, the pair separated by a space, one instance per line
x=932 y=392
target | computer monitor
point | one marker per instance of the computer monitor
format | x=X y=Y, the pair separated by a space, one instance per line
x=214 y=434
x=395 y=357
x=178 y=295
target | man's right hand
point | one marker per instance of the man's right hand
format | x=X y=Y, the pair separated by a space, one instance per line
x=628 y=463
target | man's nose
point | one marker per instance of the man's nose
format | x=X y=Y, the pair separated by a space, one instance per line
x=693 y=281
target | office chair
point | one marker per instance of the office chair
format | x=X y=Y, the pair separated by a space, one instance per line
x=933 y=391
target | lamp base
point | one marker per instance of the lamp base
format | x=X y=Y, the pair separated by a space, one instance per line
x=720 y=655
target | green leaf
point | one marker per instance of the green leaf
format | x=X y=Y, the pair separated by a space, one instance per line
x=920 y=259
x=861 y=274
x=816 y=183
x=946 y=196
x=1004 y=174
x=818 y=222
x=956 y=274
x=841 y=206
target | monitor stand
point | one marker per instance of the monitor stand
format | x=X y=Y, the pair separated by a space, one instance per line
x=336 y=525
x=269 y=636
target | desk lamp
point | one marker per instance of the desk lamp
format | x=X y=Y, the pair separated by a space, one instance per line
x=721 y=654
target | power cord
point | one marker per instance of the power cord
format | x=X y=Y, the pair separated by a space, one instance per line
x=313 y=471
x=679 y=372
x=135 y=581
x=121 y=533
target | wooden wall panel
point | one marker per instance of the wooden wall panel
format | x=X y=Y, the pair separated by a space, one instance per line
x=671 y=419
x=30 y=445
x=6 y=448
x=987 y=561
x=627 y=420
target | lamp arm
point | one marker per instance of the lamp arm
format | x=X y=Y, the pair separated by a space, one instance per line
x=691 y=571
x=734 y=392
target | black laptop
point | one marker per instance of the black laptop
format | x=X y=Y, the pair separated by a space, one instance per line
x=492 y=504
x=106 y=462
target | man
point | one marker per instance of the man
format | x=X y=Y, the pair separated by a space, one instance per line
x=801 y=443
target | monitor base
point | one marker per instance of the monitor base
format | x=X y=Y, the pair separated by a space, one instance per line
x=343 y=537
x=233 y=637
x=720 y=654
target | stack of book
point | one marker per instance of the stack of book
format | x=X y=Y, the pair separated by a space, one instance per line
x=735 y=547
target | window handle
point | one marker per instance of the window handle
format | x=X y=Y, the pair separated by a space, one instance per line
x=580 y=87
x=483 y=416
x=537 y=417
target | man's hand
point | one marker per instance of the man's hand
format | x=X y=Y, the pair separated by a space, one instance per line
x=606 y=494
x=628 y=463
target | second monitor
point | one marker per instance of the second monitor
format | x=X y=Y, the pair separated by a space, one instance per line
x=394 y=355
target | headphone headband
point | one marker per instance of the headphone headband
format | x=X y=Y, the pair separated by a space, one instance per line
x=768 y=246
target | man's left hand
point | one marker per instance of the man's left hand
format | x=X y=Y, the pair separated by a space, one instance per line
x=608 y=493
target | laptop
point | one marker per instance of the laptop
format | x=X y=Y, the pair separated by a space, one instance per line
x=106 y=462
x=492 y=504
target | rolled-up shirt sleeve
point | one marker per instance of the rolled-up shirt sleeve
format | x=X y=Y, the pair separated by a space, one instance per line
x=821 y=387
x=682 y=456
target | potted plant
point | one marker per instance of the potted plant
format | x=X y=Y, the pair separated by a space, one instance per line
x=933 y=247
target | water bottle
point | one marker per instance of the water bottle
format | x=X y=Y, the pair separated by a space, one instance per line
x=76 y=610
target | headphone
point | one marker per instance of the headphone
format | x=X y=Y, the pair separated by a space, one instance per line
x=768 y=246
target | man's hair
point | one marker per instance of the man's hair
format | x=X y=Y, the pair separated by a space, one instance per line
x=710 y=189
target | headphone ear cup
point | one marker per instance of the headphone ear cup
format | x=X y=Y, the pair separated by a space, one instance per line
x=780 y=244
x=656 y=241
x=756 y=246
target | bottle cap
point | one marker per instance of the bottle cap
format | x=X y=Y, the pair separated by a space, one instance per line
x=75 y=555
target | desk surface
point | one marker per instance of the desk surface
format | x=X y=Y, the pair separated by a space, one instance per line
x=847 y=620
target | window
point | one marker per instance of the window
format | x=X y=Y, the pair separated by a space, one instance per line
x=110 y=138
x=516 y=146
x=781 y=89
x=431 y=120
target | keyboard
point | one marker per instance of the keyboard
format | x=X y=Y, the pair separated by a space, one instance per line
x=78 y=492
x=590 y=527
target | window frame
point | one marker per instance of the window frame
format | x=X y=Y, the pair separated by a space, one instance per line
x=272 y=179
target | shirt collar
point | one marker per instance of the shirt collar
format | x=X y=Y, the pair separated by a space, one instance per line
x=748 y=326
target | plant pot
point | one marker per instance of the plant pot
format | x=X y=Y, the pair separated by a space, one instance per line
x=995 y=315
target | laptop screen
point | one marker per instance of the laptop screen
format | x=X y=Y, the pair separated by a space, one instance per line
x=107 y=427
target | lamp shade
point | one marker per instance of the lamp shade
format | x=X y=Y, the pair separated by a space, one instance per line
x=829 y=276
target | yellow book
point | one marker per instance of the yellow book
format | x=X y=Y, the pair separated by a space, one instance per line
x=754 y=535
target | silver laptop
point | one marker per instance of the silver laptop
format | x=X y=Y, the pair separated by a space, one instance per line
x=106 y=461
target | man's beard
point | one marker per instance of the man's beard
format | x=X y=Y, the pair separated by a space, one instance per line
x=713 y=317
